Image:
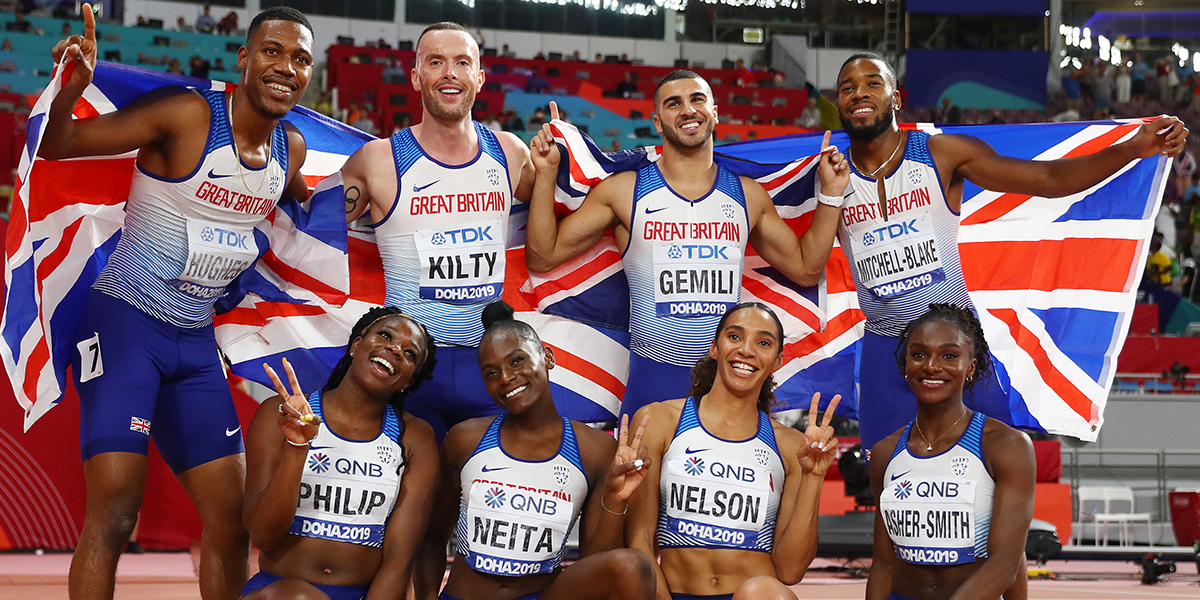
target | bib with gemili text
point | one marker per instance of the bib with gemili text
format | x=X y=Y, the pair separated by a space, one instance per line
x=696 y=278
x=463 y=264
x=217 y=254
x=897 y=257
x=931 y=521
x=514 y=531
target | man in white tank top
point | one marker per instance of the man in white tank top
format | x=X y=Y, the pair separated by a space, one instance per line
x=906 y=195
x=210 y=166
x=439 y=194
x=683 y=263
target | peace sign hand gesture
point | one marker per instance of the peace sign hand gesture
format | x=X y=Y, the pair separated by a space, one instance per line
x=81 y=50
x=630 y=462
x=819 y=446
x=296 y=417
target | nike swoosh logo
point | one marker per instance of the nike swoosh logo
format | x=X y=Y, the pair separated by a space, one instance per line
x=650 y=212
x=690 y=451
x=319 y=447
x=212 y=175
x=229 y=433
x=895 y=477
x=849 y=194
x=485 y=469
x=417 y=188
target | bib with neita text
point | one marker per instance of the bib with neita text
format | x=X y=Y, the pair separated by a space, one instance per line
x=931 y=521
x=514 y=531
x=217 y=254
x=463 y=264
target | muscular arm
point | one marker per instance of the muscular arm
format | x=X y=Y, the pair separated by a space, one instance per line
x=879 y=582
x=602 y=529
x=363 y=171
x=431 y=560
x=550 y=242
x=297 y=187
x=156 y=118
x=406 y=526
x=796 y=526
x=273 y=471
x=641 y=521
x=520 y=167
x=1013 y=465
x=802 y=259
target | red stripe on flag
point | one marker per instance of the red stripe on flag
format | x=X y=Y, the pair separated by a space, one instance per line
x=1054 y=378
x=299 y=278
x=1007 y=202
x=366 y=272
x=98 y=182
x=589 y=371
x=838 y=324
x=18 y=226
x=573 y=165
x=781 y=300
x=83 y=108
x=783 y=178
x=578 y=275
x=1074 y=263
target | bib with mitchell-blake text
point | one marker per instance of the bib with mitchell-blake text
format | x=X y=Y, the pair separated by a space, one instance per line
x=463 y=264
x=722 y=503
x=217 y=254
x=897 y=257
x=696 y=278
x=931 y=520
x=515 y=531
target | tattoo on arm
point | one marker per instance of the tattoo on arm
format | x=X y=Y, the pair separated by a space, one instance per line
x=352 y=196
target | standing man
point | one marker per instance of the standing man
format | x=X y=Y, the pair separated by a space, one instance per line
x=439 y=193
x=682 y=224
x=928 y=194
x=210 y=166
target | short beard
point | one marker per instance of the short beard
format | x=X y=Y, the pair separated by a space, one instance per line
x=672 y=137
x=441 y=113
x=867 y=133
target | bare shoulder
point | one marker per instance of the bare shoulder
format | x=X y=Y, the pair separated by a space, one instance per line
x=787 y=438
x=1005 y=439
x=957 y=147
x=462 y=439
x=885 y=447
x=513 y=146
x=590 y=437
x=171 y=105
x=297 y=146
x=617 y=185
x=417 y=431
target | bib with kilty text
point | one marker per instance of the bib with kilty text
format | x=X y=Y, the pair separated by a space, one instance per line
x=931 y=521
x=717 y=503
x=513 y=530
x=696 y=278
x=897 y=257
x=217 y=254
x=463 y=264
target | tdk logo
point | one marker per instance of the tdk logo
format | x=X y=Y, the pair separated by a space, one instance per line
x=700 y=251
x=890 y=232
x=224 y=237
x=463 y=236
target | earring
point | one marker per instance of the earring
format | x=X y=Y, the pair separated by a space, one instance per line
x=969 y=377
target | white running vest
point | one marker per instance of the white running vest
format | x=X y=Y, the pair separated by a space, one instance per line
x=349 y=487
x=684 y=265
x=185 y=239
x=938 y=509
x=716 y=493
x=516 y=515
x=904 y=263
x=443 y=241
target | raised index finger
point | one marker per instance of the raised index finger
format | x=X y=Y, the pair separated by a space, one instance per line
x=275 y=381
x=553 y=110
x=89 y=23
x=825 y=140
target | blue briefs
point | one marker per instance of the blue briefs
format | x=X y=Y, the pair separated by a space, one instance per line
x=335 y=592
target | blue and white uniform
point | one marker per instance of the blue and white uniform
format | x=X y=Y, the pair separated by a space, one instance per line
x=938 y=509
x=901 y=264
x=684 y=265
x=443 y=250
x=516 y=515
x=148 y=318
x=717 y=493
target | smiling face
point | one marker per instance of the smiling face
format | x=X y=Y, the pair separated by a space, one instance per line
x=685 y=113
x=447 y=74
x=867 y=99
x=938 y=359
x=747 y=350
x=515 y=369
x=276 y=65
x=388 y=354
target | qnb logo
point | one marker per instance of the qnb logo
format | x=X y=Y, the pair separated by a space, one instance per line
x=318 y=463
x=890 y=232
x=224 y=237
x=694 y=466
x=700 y=251
x=903 y=489
x=463 y=236
x=494 y=497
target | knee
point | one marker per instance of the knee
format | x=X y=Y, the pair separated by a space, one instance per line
x=631 y=570
x=115 y=516
x=763 y=588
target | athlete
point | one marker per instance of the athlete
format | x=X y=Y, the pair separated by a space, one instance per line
x=729 y=505
x=338 y=485
x=921 y=178
x=439 y=194
x=513 y=487
x=954 y=488
x=682 y=224
x=210 y=166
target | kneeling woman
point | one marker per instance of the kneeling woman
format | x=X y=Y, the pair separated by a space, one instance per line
x=337 y=485
x=733 y=510
x=954 y=488
x=515 y=485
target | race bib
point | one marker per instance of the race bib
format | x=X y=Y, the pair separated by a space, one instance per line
x=217 y=254
x=463 y=265
x=716 y=503
x=513 y=531
x=899 y=257
x=696 y=279
x=930 y=521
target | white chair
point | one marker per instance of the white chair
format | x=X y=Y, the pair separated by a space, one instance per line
x=1101 y=499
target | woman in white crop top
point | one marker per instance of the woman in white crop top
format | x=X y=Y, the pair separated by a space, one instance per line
x=954 y=489
x=729 y=506
x=338 y=484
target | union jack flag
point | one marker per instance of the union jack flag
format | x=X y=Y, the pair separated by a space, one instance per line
x=139 y=425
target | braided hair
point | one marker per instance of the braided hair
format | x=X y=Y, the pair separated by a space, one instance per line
x=965 y=321
x=704 y=374
x=423 y=373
